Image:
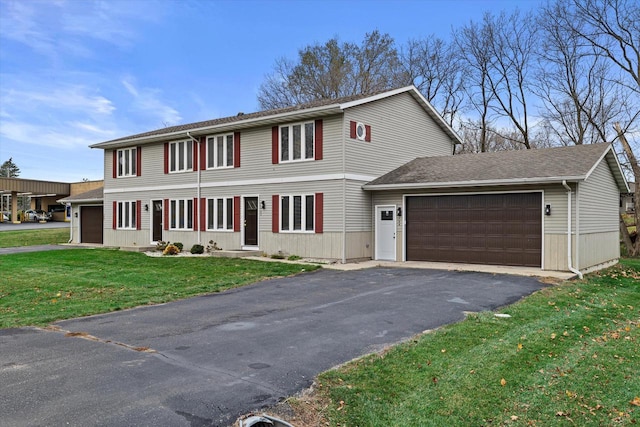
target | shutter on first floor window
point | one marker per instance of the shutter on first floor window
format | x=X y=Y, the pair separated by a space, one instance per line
x=196 y=224
x=275 y=213
x=236 y=213
x=166 y=157
x=203 y=214
x=138 y=214
x=165 y=221
x=236 y=149
x=318 y=138
x=274 y=145
x=115 y=215
x=115 y=163
x=319 y=213
x=138 y=161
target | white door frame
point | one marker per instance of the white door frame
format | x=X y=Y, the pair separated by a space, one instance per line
x=242 y=221
x=377 y=209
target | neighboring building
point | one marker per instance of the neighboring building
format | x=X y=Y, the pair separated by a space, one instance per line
x=627 y=200
x=304 y=180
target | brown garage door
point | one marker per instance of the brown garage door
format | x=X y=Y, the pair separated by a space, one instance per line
x=91 y=224
x=503 y=229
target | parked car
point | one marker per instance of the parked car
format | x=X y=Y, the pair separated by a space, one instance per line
x=5 y=217
x=36 y=215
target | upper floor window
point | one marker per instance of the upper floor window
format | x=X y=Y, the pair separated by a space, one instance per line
x=181 y=156
x=181 y=214
x=220 y=214
x=127 y=214
x=297 y=142
x=127 y=160
x=297 y=213
x=220 y=151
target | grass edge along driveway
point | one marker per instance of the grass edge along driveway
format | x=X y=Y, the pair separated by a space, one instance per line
x=41 y=287
x=568 y=355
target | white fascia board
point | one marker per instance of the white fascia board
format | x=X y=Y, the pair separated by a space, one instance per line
x=80 y=201
x=377 y=97
x=488 y=183
x=240 y=124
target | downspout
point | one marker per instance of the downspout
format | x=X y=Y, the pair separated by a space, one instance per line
x=196 y=147
x=569 y=252
x=344 y=201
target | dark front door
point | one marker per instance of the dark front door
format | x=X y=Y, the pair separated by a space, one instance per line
x=157 y=220
x=91 y=224
x=251 y=221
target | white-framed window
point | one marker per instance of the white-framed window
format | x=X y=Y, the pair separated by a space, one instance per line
x=220 y=214
x=127 y=159
x=126 y=216
x=181 y=214
x=220 y=151
x=297 y=142
x=297 y=213
x=181 y=156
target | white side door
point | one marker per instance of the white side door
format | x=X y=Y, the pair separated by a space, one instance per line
x=386 y=232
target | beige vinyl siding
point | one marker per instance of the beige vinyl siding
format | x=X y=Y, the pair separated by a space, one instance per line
x=555 y=252
x=325 y=245
x=598 y=248
x=599 y=202
x=401 y=131
x=556 y=196
x=358 y=206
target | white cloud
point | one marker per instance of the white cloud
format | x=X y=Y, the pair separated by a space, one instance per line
x=147 y=101
x=61 y=97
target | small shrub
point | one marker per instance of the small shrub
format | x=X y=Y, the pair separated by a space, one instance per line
x=171 y=249
x=161 y=245
x=197 y=249
x=213 y=246
x=179 y=245
x=279 y=255
x=294 y=257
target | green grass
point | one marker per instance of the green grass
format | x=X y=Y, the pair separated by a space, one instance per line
x=45 y=236
x=39 y=288
x=569 y=355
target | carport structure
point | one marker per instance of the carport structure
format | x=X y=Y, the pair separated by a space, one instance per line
x=44 y=193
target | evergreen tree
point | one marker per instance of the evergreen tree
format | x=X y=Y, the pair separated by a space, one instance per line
x=9 y=169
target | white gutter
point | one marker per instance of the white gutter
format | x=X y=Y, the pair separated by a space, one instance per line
x=447 y=184
x=571 y=269
x=198 y=188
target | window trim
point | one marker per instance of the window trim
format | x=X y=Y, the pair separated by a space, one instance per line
x=174 y=221
x=303 y=145
x=291 y=213
x=227 y=210
x=131 y=206
x=133 y=162
x=188 y=156
x=225 y=151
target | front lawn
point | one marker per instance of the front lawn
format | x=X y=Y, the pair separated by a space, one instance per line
x=568 y=355
x=41 y=287
x=45 y=236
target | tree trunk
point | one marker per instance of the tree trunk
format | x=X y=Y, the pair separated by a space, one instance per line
x=632 y=249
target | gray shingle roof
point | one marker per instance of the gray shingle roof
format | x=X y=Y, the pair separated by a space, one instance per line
x=571 y=163
x=97 y=194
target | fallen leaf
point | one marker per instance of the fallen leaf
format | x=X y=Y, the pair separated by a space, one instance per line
x=514 y=418
x=444 y=350
x=519 y=346
x=503 y=382
x=635 y=401
x=553 y=336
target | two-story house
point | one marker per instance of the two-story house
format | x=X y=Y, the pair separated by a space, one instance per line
x=363 y=177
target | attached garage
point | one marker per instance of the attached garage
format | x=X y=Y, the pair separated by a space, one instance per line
x=554 y=209
x=91 y=224
x=87 y=216
x=502 y=229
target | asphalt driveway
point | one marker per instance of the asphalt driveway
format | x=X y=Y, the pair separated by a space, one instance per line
x=206 y=360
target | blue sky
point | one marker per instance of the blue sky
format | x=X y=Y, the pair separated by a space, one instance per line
x=78 y=72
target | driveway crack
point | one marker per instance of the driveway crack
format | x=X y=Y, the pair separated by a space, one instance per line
x=89 y=337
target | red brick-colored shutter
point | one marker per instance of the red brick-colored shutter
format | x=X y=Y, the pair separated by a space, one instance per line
x=115 y=214
x=138 y=161
x=138 y=214
x=236 y=149
x=318 y=137
x=353 y=126
x=274 y=145
x=166 y=214
x=166 y=157
x=195 y=152
x=203 y=214
x=196 y=224
x=319 y=212
x=115 y=163
x=367 y=137
x=236 y=213
x=275 y=214
x=203 y=153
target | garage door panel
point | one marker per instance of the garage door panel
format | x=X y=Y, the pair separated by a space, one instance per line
x=488 y=228
x=91 y=224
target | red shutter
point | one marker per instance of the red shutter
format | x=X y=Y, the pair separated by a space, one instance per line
x=195 y=152
x=166 y=213
x=236 y=213
x=195 y=214
x=166 y=158
x=318 y=138
x=203 y=214
x=115 y=163
x=115 y=215
x=274 y=145
x=353 y=130
x=275 y=213
x=236 y=149
x=138 y=161
x=203 y=153
x=367 y=137
x=138 y=214
x=319 y=212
